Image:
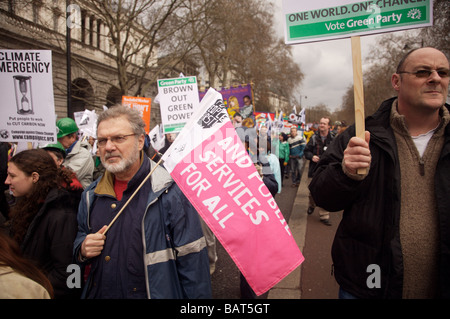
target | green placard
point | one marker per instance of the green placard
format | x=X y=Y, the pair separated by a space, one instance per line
x=357 y=18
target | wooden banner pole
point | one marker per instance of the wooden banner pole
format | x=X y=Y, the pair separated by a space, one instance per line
x=358 y=89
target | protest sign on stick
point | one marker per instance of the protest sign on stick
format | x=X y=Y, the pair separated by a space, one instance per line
x=211 y=166
x=142 y=104
x=358 y=91
x=321 y=20
x=27 y=113
x=327 y=20
x=178 y=98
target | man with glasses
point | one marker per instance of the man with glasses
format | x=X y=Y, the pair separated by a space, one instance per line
x=155 y=248
x=394 y=238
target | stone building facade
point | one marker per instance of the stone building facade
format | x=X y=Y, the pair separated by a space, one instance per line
x=41 y=25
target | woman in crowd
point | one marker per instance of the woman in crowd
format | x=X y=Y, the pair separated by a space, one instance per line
x=283 y=154
x=19 y=278
x=43 y=220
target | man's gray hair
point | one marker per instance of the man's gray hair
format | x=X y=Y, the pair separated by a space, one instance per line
x=133 y=116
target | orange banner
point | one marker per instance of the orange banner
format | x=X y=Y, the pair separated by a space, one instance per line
x=143 y=105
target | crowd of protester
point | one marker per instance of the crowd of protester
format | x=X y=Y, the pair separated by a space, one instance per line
x=57 y=201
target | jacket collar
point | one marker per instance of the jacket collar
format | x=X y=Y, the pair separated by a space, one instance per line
x=328 y=139
x=382 y=116
x=381 y=131
x=5 y=270
x=398 y=122
x=160 y=178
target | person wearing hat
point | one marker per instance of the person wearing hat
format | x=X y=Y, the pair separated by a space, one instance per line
x=58 y=153
x=78 y=157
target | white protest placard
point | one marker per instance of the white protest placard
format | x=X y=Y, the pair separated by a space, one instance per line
x=178 y=98
x=157 y=137
x=320 y=20
x=27 y=113
x=87 y=122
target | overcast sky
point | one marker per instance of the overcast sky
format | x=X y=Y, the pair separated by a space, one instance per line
x=327 y=66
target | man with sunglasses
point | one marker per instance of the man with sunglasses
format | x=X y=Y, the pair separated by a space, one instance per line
x=394 y=237
x=155 y=248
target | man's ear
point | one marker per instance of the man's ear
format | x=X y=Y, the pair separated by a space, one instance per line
x=141 y=142
x=395 y=81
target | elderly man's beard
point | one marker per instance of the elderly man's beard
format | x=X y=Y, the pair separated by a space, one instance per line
x=124 y=164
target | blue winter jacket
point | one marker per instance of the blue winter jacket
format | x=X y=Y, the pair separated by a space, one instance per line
x=174 y=249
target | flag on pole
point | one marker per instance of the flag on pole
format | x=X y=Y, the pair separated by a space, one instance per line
x=157 y=137
x=211 y=166
x=302 y=116
x=280 y=117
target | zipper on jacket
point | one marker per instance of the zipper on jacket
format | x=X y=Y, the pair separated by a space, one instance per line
x=422 y=167
x=144 y=244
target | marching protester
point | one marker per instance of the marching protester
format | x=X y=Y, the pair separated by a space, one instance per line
x=155 y=248
x=19 y=277
x=397 y=211
x=316 y=146
x=341 y=127
x=99 y=169
x=58 y=153
x=256 y=148
x=265 y=154
x=43 y=219
x=78 y=158
x=296 y=146
x=283 y=154
x=168 y=140
x=274 y=164
x=308 y=133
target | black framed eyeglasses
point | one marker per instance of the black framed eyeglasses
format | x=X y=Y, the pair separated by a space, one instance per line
x=116 y=140
x=443 y=73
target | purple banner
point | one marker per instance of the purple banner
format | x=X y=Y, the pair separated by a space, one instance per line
x=238 y=100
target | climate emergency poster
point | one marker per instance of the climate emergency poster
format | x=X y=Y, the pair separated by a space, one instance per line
x=26 y=85
x=320 y=20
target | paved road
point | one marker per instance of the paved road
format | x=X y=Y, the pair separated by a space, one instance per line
x=317 y=281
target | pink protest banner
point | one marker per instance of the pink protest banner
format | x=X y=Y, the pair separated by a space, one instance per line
x=211 y=166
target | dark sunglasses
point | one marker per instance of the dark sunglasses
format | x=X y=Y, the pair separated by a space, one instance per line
x=443 y=73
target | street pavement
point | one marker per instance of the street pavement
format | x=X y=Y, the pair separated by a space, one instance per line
x=313 y=278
